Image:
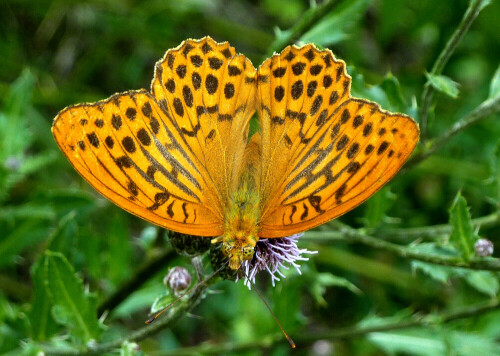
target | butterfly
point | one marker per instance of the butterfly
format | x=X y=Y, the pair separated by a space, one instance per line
x=180 y=156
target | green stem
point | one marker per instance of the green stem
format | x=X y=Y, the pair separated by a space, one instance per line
x=430 y=232
x=170 y=317
x=343 y=333
x=487 y=108
x=352 y=235
x=475 y=6
x=310 y=18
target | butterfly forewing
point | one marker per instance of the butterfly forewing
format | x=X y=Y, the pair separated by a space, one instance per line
x=209 y=92
x=334 y=152
x=127 y=150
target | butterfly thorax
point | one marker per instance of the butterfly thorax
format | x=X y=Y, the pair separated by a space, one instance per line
x=241 y=224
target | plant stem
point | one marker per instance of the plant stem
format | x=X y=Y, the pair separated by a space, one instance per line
x=138 y=279
x=343 y=333
x=429 y=232
x=310 y=18
x=352 y=235
x=475 y=6
x=170 y=316
x=487 y=108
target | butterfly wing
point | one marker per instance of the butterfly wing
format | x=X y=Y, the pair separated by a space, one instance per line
x=135 y=149
x=332 y=152
x=210 y=93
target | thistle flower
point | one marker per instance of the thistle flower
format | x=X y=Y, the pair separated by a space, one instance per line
x=273 y=254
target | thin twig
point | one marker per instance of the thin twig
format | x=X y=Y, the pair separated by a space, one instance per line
x=430 y=232
x=475 y=6
x=308 y=20
x=487 y=108
x=343 y=333
x=352 y=235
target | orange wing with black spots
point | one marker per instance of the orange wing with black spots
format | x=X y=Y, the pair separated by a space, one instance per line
x=149 y=152
x=323 y=153
x=209 y=92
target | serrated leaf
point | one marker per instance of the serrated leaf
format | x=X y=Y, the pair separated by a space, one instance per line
x=324 y=280
x=72 y=306
x=443 y=84
x=495 y=84
x=43 y=325
x=439 y=273
x=462 y=231
x=483 y=281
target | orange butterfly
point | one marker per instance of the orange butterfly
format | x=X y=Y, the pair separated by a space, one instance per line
x=179 y=155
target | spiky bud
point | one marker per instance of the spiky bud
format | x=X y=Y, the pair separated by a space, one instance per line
x=178 y=280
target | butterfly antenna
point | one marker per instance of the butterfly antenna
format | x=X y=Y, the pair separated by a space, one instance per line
x=153 y=318
x=288 y=338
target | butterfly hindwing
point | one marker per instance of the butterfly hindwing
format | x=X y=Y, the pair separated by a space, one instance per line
x=333 y=151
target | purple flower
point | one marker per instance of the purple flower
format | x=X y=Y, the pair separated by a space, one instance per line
x=178 y=279
x=273 y=254
x=483 y=247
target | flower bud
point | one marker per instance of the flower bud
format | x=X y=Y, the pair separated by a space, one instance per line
x=178 y=280
x=483 y=247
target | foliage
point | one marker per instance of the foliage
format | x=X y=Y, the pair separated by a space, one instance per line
x=399 y=275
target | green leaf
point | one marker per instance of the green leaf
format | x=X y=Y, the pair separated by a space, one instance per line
x=495 y=164
x=162 y=302
x=72 y=306
x=483 y=281
x=429 y=342
x=324 y=280
x=65 y=230
x=24 y=235
x=443 y=84
x=484 y=4
x=462 y=233
x=442 y=274
x=18 y=98
x=495 y=84
x=392 y=89
x=43 y=325
x=439 y=273
x=377 y=207
x=119 y=250
x=338 y=24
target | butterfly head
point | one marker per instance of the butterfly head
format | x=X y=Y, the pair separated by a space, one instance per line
x=238 y=248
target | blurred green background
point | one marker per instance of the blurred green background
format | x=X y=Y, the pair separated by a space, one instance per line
x=57 y=53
